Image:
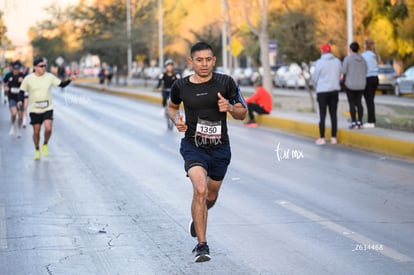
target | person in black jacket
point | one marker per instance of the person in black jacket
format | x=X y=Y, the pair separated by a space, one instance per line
x=166 y=80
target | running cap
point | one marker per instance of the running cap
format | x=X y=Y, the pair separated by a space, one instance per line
x=17 y=65
x=38 y=60
x=325 y=48
x=168 y=62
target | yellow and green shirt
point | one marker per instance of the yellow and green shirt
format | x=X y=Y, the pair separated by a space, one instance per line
x=39 y=90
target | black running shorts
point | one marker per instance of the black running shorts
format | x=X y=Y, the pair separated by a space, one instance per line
x=215 y=161
x=38 y=118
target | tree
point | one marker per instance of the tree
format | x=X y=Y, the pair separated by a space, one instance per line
x=260 y=29
x=4 y=41
x=54 y=37
x=384 y=21
x=296 y=34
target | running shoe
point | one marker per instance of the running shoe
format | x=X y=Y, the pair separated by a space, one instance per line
x=353 y=126
x=37 y=155
x=12 y=130
x=191 y=229
x=18 y=134
x=251 y=125
x=334 y=141
x=45 y=150
x=24 y=122
x=320 y=141
x=202 y=253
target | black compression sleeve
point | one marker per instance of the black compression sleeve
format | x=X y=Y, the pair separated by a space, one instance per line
x=64 y=83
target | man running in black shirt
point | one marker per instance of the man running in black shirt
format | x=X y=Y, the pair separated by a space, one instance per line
x=207 y=97
x=165 y=82
x=12 y=82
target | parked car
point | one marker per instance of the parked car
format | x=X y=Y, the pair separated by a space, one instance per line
x=280 y=76
x=152 y=72
x=242 y=76
x=405 y=83
x=386 y=78
x=295 y=78
x=290 y=77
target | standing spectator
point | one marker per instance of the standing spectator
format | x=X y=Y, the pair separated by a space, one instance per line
x=101 y=76
x=371 y=59
x=354 y=69
x=260 y=102
x=109 y=73
x=326 y=77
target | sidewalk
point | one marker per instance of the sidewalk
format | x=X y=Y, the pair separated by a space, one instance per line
x=384 y=141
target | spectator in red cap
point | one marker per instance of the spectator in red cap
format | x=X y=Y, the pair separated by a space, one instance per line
x=326 y=78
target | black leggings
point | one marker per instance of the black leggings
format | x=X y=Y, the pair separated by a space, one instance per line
x=165 y=97
x=355 y=104
x=253 y=107
x=330 y=100
x=369 y=94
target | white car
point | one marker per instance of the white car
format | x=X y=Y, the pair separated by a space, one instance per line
x=290 y=77
x=405 y=83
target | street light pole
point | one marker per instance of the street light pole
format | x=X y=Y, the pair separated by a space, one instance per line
x=129 y=50
x=224 y=35
x=160 y=36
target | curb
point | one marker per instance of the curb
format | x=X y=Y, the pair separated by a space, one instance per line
x=356 y=139
x=379 y=144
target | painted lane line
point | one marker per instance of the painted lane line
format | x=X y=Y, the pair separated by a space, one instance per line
x=3 y=233
x=360 y=239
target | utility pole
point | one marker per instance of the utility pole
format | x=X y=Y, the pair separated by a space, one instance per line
x=160 y=36
x=129 y=50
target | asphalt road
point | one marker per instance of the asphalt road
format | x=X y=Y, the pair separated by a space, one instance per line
x=113 y=198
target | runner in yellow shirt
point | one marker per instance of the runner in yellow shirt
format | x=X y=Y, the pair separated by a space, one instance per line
x=38 y=86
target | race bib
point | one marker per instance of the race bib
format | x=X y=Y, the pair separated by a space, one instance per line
x=42 y=104
x=208 y=132
x=14 y=90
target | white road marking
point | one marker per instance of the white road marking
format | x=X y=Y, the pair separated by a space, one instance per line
x=360 y=239
x=3 y=233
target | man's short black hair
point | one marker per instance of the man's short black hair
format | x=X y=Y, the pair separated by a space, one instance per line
x=354 y=46
x=200 y=46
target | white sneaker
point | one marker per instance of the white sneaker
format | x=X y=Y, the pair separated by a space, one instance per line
x=369 y=125
x=320 y=141
x=18 y=135
x=334 y=141
x=12 y=130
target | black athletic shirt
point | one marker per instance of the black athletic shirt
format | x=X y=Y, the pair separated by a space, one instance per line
x=166 y=81
x=201 y=106
x=13 y=83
